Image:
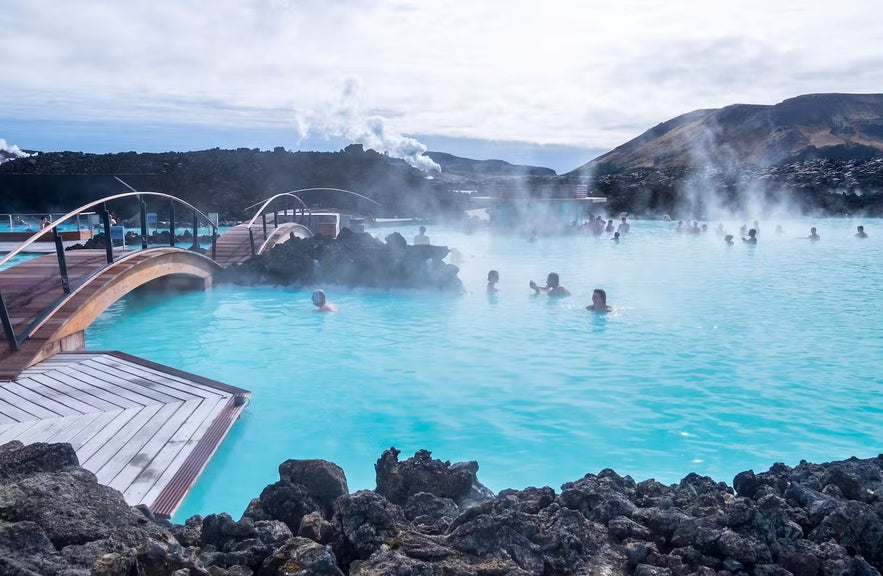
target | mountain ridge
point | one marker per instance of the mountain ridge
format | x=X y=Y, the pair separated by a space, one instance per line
x=807 y=127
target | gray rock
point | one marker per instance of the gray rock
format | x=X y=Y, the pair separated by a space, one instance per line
x=324 y=481
x=398 y=481
x=300 y=556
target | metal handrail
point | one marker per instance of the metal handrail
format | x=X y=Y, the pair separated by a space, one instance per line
x=51 y=227
x=290 y=193
x=67 y=288
x=270 y=237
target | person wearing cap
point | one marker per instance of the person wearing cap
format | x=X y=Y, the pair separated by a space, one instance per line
x=321 y=302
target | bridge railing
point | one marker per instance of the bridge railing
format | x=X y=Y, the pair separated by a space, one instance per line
x=16 y=338
x=275 y=202
x=304 y=209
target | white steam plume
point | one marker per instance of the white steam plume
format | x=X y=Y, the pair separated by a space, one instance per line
x=8 y=152
x=345 y=118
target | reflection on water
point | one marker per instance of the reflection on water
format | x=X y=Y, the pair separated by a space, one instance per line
x=715 y=359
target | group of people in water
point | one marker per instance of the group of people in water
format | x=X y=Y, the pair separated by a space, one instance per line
x=554 y=289
x=751 y=238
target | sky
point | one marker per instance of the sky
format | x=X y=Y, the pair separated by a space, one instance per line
x=552 y=83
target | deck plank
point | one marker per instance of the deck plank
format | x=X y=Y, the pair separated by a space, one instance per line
x=98 y=389
x=130 y=445
x=112 y=444
x=153 y=479
x=189 y=387
x=153 y=447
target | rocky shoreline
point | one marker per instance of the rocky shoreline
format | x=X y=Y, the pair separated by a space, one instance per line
x=428 y=517
x=353 y=260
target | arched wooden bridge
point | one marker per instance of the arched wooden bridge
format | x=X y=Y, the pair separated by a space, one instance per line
x=46 y=303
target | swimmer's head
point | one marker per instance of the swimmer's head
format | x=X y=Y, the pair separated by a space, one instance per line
x=861 y=228
x=752 y=232
x=552 y=280
x=599 y=297
x=493 y=276
x=423 y=229
x=319 y=297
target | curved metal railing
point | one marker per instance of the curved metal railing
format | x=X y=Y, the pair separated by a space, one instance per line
x=67 y=288
x=304 y=208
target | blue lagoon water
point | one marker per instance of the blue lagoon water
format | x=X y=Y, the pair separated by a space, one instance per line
x=717 y=359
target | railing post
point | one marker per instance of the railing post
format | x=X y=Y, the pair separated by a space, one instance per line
x=276 y=218
x=108 y=243
x=251 y=239
x=143 y=222
x=62 y=264
x=264 y=220
x=172 y=223
x=195 y=232
x=7 y=326
x=214 y=242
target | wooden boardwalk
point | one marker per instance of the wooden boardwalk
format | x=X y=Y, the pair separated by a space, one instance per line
x=144 y=429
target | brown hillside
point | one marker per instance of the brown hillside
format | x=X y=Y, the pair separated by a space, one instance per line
x=841 y=126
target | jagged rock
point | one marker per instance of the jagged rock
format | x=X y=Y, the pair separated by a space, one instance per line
x=350 y=260
x=300 y=556
x=397 y=481
x=288 y=502
x=316 y=528
x=324 y=480
x=429 y=513
x=17 y=459
x=363 y=522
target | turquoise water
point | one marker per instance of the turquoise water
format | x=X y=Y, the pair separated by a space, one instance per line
x=717 y=359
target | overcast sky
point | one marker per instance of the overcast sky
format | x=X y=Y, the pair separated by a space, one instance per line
x=574 y=76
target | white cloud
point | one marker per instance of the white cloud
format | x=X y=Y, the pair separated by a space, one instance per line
x=559 y=72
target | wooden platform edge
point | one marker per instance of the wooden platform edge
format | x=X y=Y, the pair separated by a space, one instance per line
x=173 y=494
x=167 y=369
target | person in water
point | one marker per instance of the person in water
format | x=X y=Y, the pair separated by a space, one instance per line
x=599 y=301
x=321 y=302
x=615 y=237
x=492 y=278
x=813 y=235
x=553 y=286
x=752 y=237
x=624 y=226
x=860 y=232
x=729 y=239
x=44 y=222
x=422 y=238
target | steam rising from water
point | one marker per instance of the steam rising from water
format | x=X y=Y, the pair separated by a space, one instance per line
x=346 y=118
x=13 y=151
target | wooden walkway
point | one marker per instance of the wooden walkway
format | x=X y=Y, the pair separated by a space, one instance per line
x=234 y=245
x=144 y=429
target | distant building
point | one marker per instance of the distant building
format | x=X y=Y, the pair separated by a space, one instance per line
x=531 y=206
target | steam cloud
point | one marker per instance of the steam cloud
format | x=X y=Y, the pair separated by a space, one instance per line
x=8 y=152
x=345 y=118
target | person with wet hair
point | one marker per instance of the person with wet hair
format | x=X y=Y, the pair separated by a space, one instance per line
x=624 y=226
x=752 y=237
x=492 y=278
x=553 y=286
x=813 y=235
x=615 y=237
x=729 y=239
x=321 y=302
x=599 y=301
x=860 y=232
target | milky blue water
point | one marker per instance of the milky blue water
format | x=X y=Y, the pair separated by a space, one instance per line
x=717 y=359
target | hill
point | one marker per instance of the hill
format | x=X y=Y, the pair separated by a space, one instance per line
x=804 y=128
x=455 y=168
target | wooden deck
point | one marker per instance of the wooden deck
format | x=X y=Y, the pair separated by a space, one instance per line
x=144 y=429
